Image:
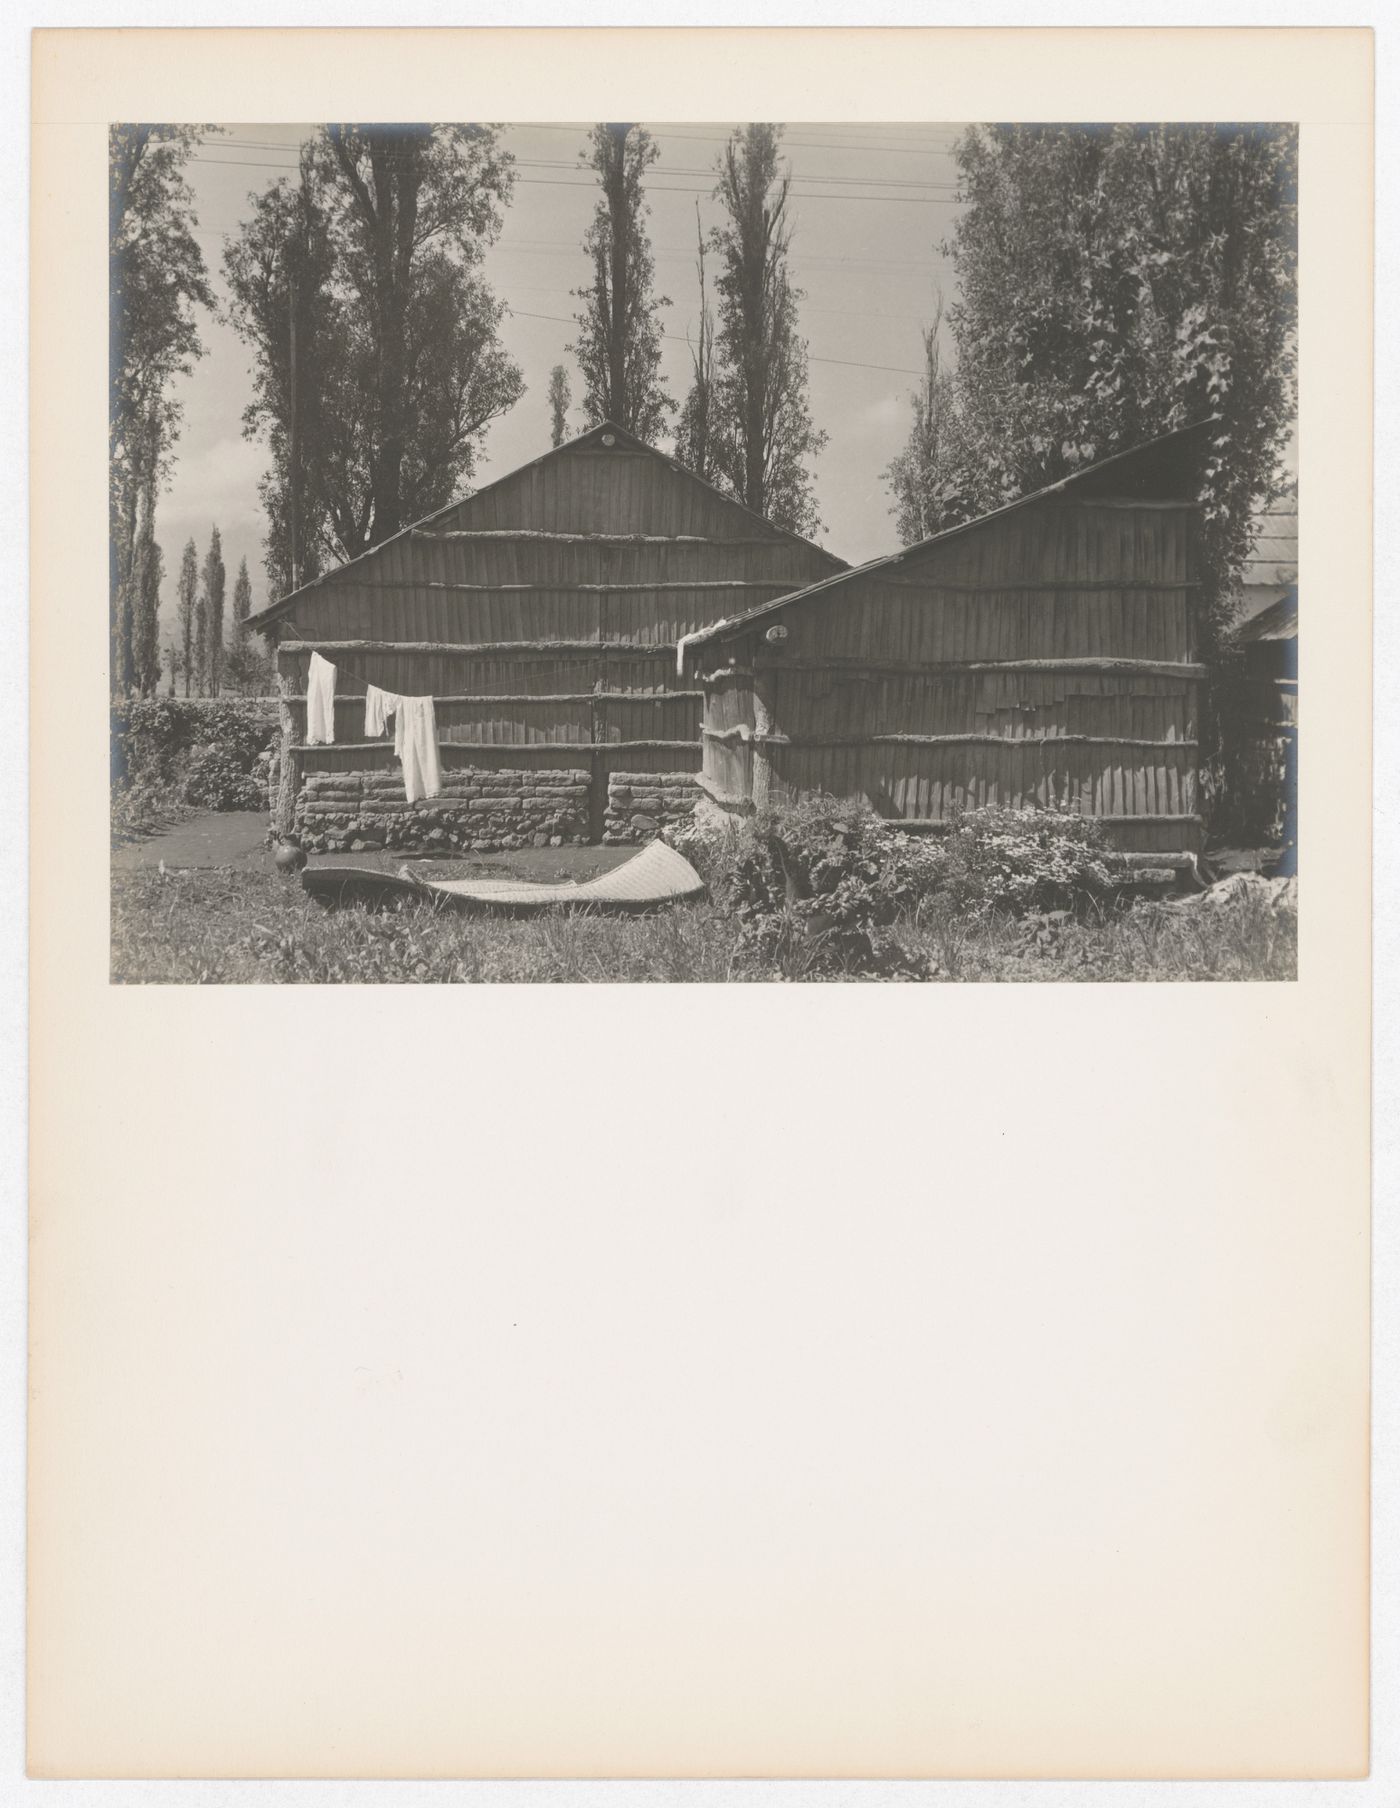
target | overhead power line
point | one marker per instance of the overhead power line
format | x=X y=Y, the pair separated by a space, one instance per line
x=666 y=188
x=934 y=147
x=663 y=188
x=660 y=169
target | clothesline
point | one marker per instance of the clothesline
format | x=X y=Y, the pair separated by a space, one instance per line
x=354 y=677
x=415 y=724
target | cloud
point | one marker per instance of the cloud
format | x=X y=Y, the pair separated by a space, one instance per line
x=216 y=485
x=883 y=414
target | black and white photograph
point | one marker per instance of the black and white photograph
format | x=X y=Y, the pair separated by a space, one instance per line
x=715 y=551
x=606 y=608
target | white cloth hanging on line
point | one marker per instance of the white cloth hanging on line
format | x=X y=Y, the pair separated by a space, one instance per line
x=320 y=702
x=379 y=706
x=415 y=742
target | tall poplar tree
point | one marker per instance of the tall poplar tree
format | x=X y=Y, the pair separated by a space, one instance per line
x=186 y=607
x=374 y=253
x=619 y=343
x=212 y=612
x=158 y=282
x=242 y=601
x=922 y=478
x=559 y=398
x=148 y=567
x=695 y=429
x=764 y=439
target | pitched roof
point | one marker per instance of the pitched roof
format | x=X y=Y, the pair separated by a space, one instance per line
x=1277 y=620
x=1164 y=464
x=270 y=612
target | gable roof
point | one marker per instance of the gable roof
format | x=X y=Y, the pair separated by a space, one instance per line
x=620 y=437
x=1157 y=469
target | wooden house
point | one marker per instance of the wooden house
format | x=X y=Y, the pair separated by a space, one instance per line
x=1266 y=763
x=1043 y=655
x=1267 y=622
x=542 y=614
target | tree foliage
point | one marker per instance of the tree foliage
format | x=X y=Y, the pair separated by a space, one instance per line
x=1117 y=282
x=148 y=568
x=157 y=281
x=619 y=342
x=695 y=428
x=186 y=606
x=247 y=667
x=374 y=254
x=242 y=601
x=211 y=604
x=918 y=477
x=560 y=396
x=762 y=433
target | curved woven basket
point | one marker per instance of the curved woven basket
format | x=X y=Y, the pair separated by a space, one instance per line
x=655 y=875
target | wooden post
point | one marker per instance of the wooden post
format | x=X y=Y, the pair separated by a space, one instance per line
x=293 y=449
x=289 y=762
x=597 y=731
x=763 y=725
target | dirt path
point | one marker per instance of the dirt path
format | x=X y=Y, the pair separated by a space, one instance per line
x=228 y=838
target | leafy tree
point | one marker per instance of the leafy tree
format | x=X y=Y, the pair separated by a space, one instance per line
x=925 y=500
x=201 y=648
x=148 y=568
x=249 y=669
x=242 y=602
x=695 y=429
x=157 y=282
x=1117 y=282
x=375 y=254
x=212 y=613
x=560 y=397
x=187 y=600
x=619 y=342
x=763 y=432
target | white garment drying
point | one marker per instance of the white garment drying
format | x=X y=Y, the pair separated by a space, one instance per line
x=379 y=706
x=320 y=702
x=415 y=742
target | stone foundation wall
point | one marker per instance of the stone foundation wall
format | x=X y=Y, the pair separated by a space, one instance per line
x=641 y=804
x=478 y=810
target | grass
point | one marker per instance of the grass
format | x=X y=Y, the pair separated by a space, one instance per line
x=141 y=810
x=227 y=927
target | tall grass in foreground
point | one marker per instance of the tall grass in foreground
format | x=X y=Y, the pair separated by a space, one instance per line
x=247 y=928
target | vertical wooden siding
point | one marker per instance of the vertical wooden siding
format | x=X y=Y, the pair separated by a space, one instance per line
x=542 y=615
x=1045 y=658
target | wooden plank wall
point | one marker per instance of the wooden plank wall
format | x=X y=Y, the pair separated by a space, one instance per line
x=542 y=616
x=1044 y=659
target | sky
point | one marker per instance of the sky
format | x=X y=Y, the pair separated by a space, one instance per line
x=870 y=206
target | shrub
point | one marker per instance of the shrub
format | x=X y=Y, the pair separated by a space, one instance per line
x=817 y=888
x=829 y=887
x=143 y=807
x=168 y=749
x=217 y=780
x=150 y=736
x=998 y=859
